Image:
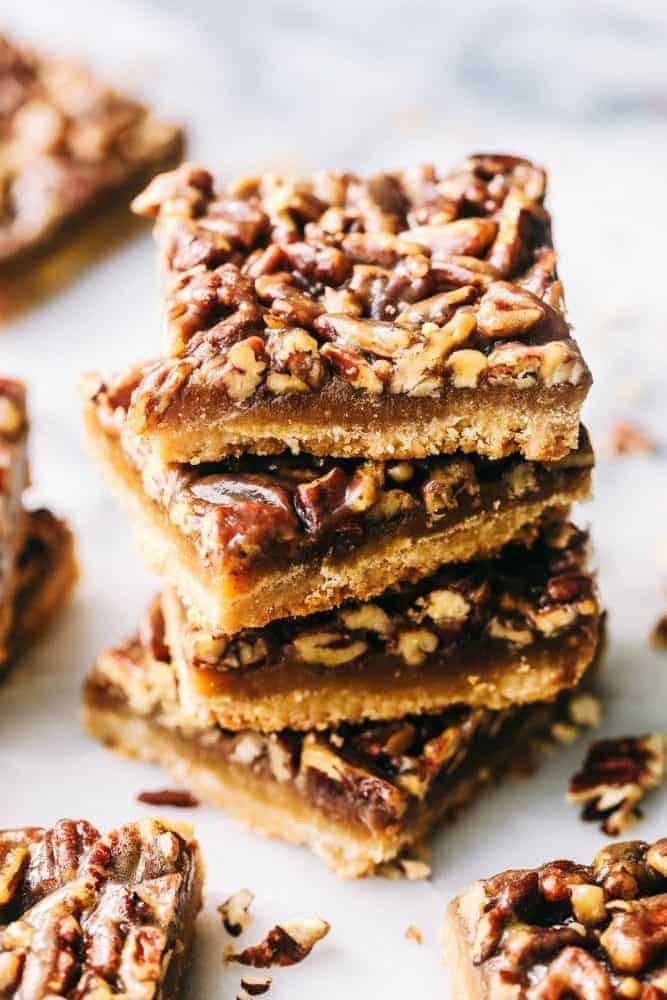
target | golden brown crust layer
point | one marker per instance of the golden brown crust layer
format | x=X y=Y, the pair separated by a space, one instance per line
x=182 y=538
x=332 y=315
x=583 y=931
x=84 y=915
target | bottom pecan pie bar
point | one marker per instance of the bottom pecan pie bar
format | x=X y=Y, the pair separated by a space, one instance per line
x=357 y=795
x=565 y=930
x=510 y=630
x=87 y=916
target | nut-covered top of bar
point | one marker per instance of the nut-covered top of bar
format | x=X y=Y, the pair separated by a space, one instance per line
x=244 y=509
x=407 y=282
x=83 y=915
x=591 y=932
x=540 y=589
x=66 y=138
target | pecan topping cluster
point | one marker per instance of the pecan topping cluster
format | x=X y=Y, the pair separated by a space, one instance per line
x=521 y=595
x=403 y=283
x=85 y=915
x=615 y=776
x=243 y=508
x=585 y=932
x=65 y=140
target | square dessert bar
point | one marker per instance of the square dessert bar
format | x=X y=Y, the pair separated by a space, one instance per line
x=565 y=930
x=515 y=629
x=70 y=147
x=13 y=480
x=255 y=538
x=394 y=317
x=86 y=915
x=357 y=795
x=47 y=571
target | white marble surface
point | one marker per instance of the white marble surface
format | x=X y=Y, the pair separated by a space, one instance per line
x=581 y=87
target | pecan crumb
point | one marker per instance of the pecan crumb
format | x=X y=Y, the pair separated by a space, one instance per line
x=413 y=933
x=626 y=438
x=254 y=986
x=235 y=912
x=285 y=944
x=412 y=869
x=180 y=798
x=659 y=633
x=614 y=778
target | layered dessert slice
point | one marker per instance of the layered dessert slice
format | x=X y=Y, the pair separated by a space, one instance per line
x=86 y=915
x=515 y=629
x=394 y=317
x=357 y=794
x=47 y=571
x=564 y=930
x=255 y=538
x=13 y=480
x=72 y=148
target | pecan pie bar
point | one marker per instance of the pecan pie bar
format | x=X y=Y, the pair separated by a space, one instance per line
x=71 y=148
x=255 y=538
x=515 y=629
x=13 y=480
x=565 y=930
x=46 y=573
x=86 y=915
x=407 y=314
x=357 y=794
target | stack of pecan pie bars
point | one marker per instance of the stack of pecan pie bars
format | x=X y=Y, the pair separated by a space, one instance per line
x=352 y=468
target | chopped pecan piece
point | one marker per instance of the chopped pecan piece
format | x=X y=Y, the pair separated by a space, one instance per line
x=235 y=912
x=178 y=797
x=567 y=930
x=285 y=944
x=615 y=777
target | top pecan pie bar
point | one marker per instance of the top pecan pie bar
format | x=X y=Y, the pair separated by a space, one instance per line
x=407 y=314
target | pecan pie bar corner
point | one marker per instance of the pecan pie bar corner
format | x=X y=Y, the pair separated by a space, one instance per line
x=586 y=932
x=87 y=915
